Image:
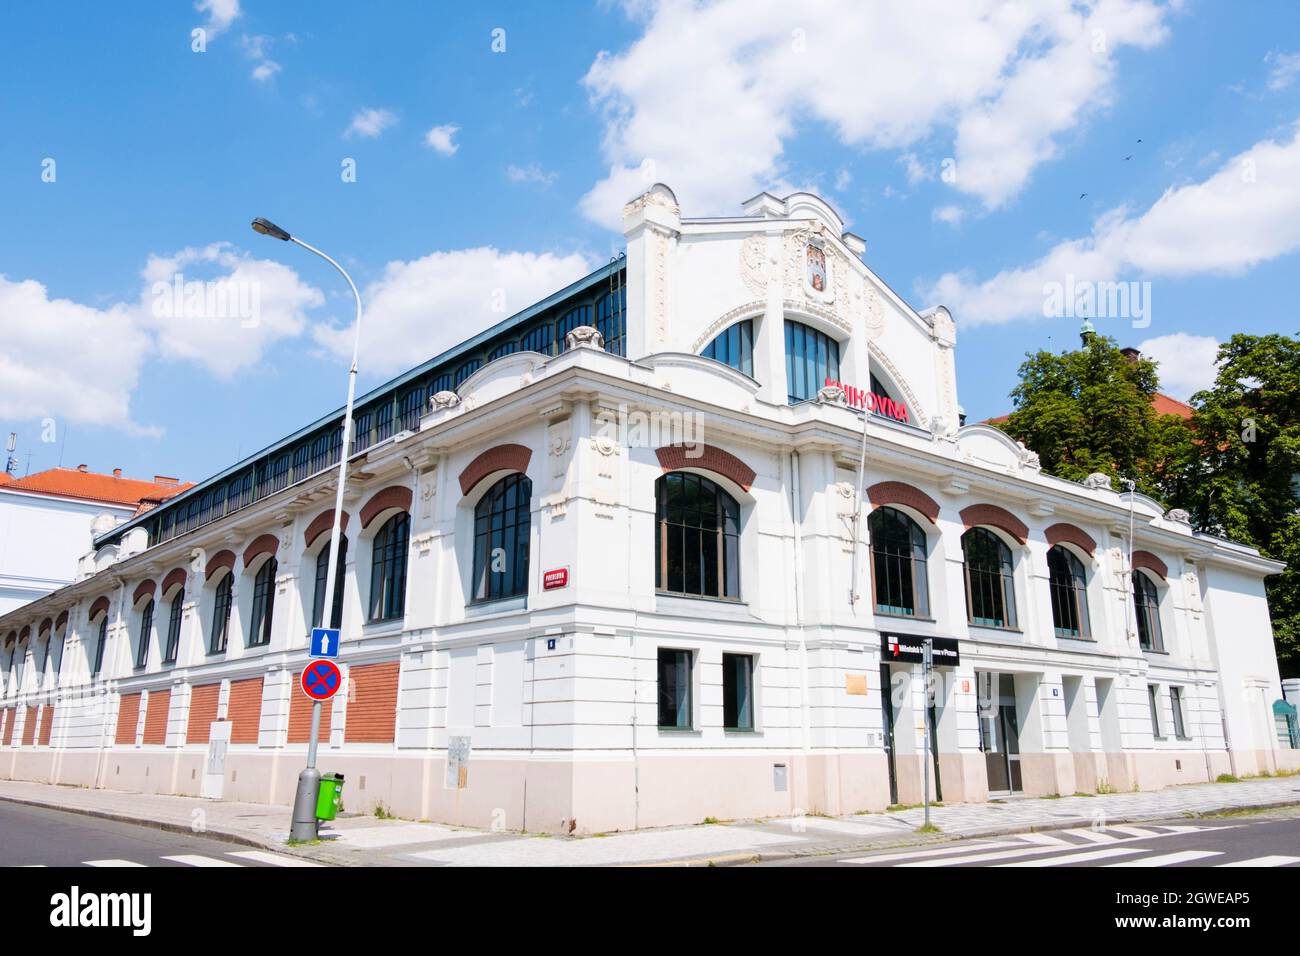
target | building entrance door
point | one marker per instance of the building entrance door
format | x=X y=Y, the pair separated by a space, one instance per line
x=887 y=723
x=1000 y=733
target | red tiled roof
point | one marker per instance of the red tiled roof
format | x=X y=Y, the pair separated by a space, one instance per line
x=1161 y=404
x=91 y=486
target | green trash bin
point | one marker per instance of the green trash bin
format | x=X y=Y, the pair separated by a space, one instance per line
x=330 y=798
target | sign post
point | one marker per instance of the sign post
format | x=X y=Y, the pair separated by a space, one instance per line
x=926 y=665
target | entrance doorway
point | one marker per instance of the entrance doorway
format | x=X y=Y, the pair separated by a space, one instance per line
x=887 y=722
x=1000 y=732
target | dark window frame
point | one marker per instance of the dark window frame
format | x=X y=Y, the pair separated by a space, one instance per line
x=675 y=695
x=263 y=610
x=1146 y=608
x=388 y=570
x=899 y=564
x=737 y=679
x=1067 y=582
x=146 y=632
x=175 y=616
x=1153 y=700
x=318 y=589
x=98 y=662
x=705 y=536
x=989 y=575
x=502 y=519
x=222 y=604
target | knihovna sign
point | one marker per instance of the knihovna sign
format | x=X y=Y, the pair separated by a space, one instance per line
x=871 y=401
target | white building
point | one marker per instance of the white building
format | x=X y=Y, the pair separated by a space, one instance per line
x=47 y=521
x=603 y=554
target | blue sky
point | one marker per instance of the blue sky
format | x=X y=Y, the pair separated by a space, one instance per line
x=485 y=174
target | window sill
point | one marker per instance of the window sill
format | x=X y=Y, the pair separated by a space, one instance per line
x=689 y=606
x=1154 y=650
x=994 y=627
x=741 y=731
x=1078 y=638
x=498 y=606
x=683 y=731
x=380 y=628
x=906 y=617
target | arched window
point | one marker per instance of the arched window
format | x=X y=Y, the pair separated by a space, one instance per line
x=898 y=564
x=174 y=627
x=146 y=631
x=259 y=625
x=990 y=589
x=811 y=357
x=734 y=346
x=1146 y=600
x=697 y=540
x=1068 y=585
x=501 y=527
x=221 y=614
x=387 y=571
x=322 y=571
x=99 y=646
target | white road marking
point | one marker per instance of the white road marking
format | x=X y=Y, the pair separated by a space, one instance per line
x=1043 y=839
x=1169 y=859
x=1070 y=858
x=1093 y=836
x=190 y=859
x=273 y=859
x=1265 y=861
x=112 y=863
x=914 y=854
x=1134 y=832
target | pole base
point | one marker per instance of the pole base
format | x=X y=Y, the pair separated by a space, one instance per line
x=304 y=805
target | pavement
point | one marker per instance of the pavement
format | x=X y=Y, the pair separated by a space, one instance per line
x=355 y=840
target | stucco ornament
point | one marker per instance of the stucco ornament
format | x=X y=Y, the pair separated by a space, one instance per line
x=942 y=428
x=1180 y=515
x=585 y=337
x=444 y=399
x=831 y=394
x=1028 y=459
x=754 y=268
x=1097 y=482
x=198 y=561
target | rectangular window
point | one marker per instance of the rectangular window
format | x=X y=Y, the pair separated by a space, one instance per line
x=1176 y=701
x=1153 y=696
x=675 y=689
x=738 y=691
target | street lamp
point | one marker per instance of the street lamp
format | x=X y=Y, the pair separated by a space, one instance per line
x=304 y=804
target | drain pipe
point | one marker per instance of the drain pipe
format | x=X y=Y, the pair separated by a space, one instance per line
x=857 y=512
x=796 y=511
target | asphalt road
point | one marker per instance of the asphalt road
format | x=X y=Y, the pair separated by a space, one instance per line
x=1270 y=839
x=36 y=836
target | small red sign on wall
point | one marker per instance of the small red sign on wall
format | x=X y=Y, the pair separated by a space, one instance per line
x=555 y=579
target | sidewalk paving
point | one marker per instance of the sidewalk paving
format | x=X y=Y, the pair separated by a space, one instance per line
x=355 y=840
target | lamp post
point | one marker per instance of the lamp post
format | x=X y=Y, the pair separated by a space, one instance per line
x=304 y=804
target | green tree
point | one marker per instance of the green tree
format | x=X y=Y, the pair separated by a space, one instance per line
x=1246 y=484
x=1089 y=410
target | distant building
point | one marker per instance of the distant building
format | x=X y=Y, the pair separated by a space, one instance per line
x=48 y=520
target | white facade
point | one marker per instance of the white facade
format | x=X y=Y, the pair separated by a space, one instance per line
x=562 y=693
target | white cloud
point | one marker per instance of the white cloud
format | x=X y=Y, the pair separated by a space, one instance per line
x=370 y=123
x=221 y=13
x=1187 y=362
x=1246 y=213
x=226 y=324
x=1286 y=67
x=257 y=47
x=916 y=172
x=68 y=361
x=532 y=173
x=952 y=215
x=439 y=139
x=843 y=180
x=265 y=70
x=423 y=307
x=706 y=99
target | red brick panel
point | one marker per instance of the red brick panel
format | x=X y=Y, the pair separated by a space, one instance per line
x=47 y=725
x=995 y=517
x=501 y=458
x=245 y=710
x=708 y=458
x=1145 y=559
x=29 y=727
x=262 y=544
x=372 y=704
x=322 y=523
x=174 y=577
x=8 y=717
x=897 y=493
x=143 y=589
x=222 y=559
x=1069 y=534
x=99 y=607
x=394 y=496
x=300 y=714
x=203 y=711
x=155 y=716
x=61 y=620
x=128 y=712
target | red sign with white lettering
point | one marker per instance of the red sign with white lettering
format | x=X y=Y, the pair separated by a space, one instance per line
x=556 y=579
x=871 y=401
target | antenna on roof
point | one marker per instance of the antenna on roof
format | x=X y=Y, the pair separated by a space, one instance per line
x=11 y=463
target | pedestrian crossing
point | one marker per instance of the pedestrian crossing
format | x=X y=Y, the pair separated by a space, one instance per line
x=1119 y=846
x=248 y=857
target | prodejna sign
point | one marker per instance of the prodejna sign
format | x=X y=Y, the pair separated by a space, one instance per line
x=871 y=401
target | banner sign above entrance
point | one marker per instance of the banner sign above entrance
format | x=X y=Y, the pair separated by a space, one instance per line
x=870 y=401
x=908 y=649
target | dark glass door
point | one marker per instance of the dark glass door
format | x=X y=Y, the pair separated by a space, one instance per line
x=887 y=722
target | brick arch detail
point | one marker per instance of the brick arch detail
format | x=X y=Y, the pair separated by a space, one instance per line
x=222 y=559
x=996 y=517
x=394 y=496
x=509 y=457
x=1147 y=560
x=899 y=493
x=101 y=604
x=1063 y=533
x=262 y=544
x=25 y=633
x=174 y=577
x=143 y=589
x=61 y=620
x=321 y=524
x=711 y=458
x=46 y=625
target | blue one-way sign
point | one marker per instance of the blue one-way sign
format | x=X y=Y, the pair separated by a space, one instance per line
x=324 y=642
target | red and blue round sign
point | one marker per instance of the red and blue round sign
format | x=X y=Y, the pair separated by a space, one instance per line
x=321 y=680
